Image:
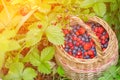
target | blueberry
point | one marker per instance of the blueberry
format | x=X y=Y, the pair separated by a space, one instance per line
x=93 y=25
x=87 y=40
x=106 y=40
x=79 y=49
x=76 y=48
x=82 y=48
x=98 y=25
x=74 y=52
x=67 y=35
x=83 y=51
x=104 y=33
x=102 y=45
x=95 y=53
x=83 y=39
x=66 y=38
x=74 y=30
x=105 y=45
x=73 y=34
x=87 y=57
x=79 y=37
x=78 y=27
x=93 y=48
x=70 y=41
x=66 y=49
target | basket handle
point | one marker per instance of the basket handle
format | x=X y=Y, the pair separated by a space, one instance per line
x=75 y=20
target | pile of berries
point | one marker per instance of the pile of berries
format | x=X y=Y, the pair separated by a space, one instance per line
x=79 y=43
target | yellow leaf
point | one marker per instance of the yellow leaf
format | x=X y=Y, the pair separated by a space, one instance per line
x=44 y=8
x=17 y=1
x=4 y=19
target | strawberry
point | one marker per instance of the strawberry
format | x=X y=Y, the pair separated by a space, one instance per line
x=87 y=46
x=81 y=31
x=100 y=29
x=90 y=53
x=65 y=31
x=77 y=33
x=103 y=37
x=103 y=41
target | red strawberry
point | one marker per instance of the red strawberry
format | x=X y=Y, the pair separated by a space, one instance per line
x=103 y=41
x=100 y=29
x=103 y=37
x=91 y=53
x=86 y=53
x=87 y=46
x=65 y=31
x=77 y=33
x=74 y=38
x=81 y=30
x=70 y=44
x=96 y=29
x=106 y=35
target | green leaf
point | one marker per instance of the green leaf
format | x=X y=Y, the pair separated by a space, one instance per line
x=61 y=71
x=99 y=9
x=106 y=0
x=4 y=45
x=15 y=71
x=13 y=45
x=34 y=57
x=9 y=33
x=47 y=53
x=33 y=37
x=55 y=35
x=102 y=78
x=86 y=11
x=8 y=45
x=88 y=3
x=29 y=74
x=44 y=68
x=114 y=6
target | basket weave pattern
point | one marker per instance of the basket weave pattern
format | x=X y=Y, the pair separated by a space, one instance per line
x=89 y=69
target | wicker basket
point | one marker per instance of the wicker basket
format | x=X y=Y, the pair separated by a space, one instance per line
x=89 y=69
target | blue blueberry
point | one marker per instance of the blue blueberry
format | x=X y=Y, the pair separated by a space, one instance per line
x=74 y=52
x=104 y=33
x=66 y=49
x=79 y=37
x=105 y=45
x=87 y=40
x=87 y=57
x=83 y=38
x=70 y=41
x=76 y=48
